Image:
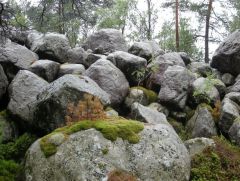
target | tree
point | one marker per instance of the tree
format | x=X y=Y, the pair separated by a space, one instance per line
x=235 y=23
x=176 y=26
x=187 y=38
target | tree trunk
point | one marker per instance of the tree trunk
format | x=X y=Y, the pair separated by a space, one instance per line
x=177 y=26
x=149 y=30
x=207 y=31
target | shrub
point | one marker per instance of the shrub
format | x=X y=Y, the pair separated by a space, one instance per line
x=216 y=111
x=90 y=108
x=220 y=163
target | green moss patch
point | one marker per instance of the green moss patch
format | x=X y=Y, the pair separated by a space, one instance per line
x=220 y=163
x=151 y=95
x=110 y=128
x=179 y=128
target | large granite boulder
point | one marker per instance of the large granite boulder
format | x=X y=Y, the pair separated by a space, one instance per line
x=129 y=64
x=88 y=155
x=46 y=69
x=69 y=68
x=234 y=132
x=3 y=82
x=77 y=56
x=200 y=68
x=146 y=114
x=228 y=79
x=226 y=58
x=51 y=46
x=106 y=41
x=175 y=85
x=92 y=58
x=229 y=112
x=203 y=90
x=54 y=100
x=146 y=49
x=110 y=79
x=23 y=92
x=159 y=66
x=202 y=123
x=14 y=57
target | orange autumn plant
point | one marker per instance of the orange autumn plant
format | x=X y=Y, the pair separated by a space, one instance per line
x=216 y=111
x=90 y=108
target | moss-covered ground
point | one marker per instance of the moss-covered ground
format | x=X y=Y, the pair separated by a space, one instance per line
x=221 y=163
x=110 y=128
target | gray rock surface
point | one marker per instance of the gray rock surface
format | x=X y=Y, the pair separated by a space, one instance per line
x=106 y=41
x=186 y=59
x=23 y=92
x=14 y=57
x=77 y=56
x=129 y=64
x=46 y=69
x=77 y=69
x=136 y=95
x=146 y=114
x=175 y=85
x=110 y=79
x=158 y=107
x=228 y=79
x=226 y=57
x=3 y=82
x=200 y=68
x=51 y=46
x=203 y=90
x=53 y=101
x=229 y=112
x=197 y=145
x=146 y=49
x=159 y=66
x=202 y=123
x=160 y=155
x=92 y=58
x=235 y=87
x=234 y=96
x=234 y=132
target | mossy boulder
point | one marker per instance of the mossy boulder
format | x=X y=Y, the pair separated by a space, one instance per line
x=90 y=150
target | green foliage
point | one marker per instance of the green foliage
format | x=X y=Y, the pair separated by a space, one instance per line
x=105 y=151
x=220 y=163
x=187 y=39
x=9 y=170
x=151 y=95
x=110 y=128
x=179 y=128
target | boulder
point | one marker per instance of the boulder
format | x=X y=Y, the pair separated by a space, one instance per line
x=147 y=115
x=3 y=82
x=234 y=132
x=220 y=86
x=92 y=58
x=235 y=87
x=186 y=59
x=198 y=145
x=200 y=68
x=88 y=155
x=136 y=95
x=146 y=49
x=159 y=66
x=51 y=46
x=14 y=57
x=32 y=37
x=202 y=123
x=106 y=41
x=77 y=56
x=158 y=107
x=23 y=92
x=175 y=85
x=54 y=100
x=46 y=69
x=19 y=37
x=229 y=112
x=234 y=96
x=66 y=68
x=228 y=79
x=129 y=64
x=110 y=79
x=226 y=57
x=203 y=90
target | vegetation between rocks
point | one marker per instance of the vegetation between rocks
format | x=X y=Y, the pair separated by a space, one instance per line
x=151 y=95
x=221 y=163
x=110 y=128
